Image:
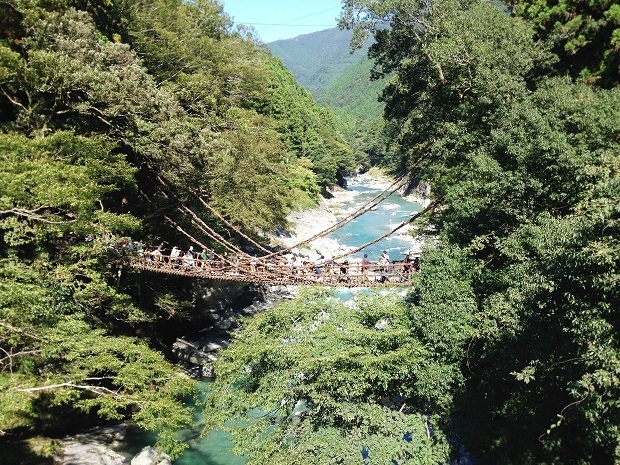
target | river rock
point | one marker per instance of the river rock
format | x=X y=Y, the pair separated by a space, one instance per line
x=417 y=191
x=150 y=456
x=190 y=352
x=228 y=321
x=213 y=301
x=93 y=447
x=198 y=351
x=207 y=372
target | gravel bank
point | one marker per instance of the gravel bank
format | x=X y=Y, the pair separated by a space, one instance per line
x=307 y=223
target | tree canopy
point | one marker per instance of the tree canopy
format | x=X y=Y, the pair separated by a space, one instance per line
x=115 y=116
x=527 y=165
x=316 y=381
x=585 y=35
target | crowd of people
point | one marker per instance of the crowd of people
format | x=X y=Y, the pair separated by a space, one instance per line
x=189 y=257
x=301 y=267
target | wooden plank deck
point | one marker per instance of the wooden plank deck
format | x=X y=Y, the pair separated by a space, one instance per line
x=278 y=273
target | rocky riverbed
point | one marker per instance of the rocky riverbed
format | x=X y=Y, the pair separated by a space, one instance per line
x=99 y=446
x=197 y=352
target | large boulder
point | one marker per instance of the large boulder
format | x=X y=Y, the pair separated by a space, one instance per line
x=94 y=447
x=198 y=351
x=150 y=456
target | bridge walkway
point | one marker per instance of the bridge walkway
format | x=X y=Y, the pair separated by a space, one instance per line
x=343 y=274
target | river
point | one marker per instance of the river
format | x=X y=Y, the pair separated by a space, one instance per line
x=385 y=217
x=214 y=448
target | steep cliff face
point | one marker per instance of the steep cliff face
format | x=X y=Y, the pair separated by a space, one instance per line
x=214 y=299
x=218 y=310
x=419 y=191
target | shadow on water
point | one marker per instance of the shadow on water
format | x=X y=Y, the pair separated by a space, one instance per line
x=214 y=448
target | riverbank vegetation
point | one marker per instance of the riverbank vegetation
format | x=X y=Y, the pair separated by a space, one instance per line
x=509 y=342
x=115 y=116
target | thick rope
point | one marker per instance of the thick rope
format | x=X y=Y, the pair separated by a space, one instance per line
x=231 y=226
x=360 y=211
x=205 y=229
x=194 y=240
x=211 y=232
x=185 y=233
x=346 y=220
x=262 y=260
x=369 y=205
x=429 y=207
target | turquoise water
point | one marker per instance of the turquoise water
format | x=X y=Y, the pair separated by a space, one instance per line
x=373 y=224
x=214 y=448
x=387 y=215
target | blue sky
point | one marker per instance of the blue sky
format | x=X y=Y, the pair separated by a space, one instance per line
x=283 y=19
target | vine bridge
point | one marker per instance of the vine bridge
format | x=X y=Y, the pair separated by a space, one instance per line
x=343 y=274
x=273 y=268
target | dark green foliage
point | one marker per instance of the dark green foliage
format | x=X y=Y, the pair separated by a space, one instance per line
x=327 y=381
x=341 y=80
x=586 y=35
x=309 y=130
x=354 y=99
x=212 y=83
x=510 y=340
x=61 y=317
x=354 y=93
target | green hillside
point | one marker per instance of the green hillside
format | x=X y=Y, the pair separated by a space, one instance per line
x=323 y=65
x=354 y=92
x=319 y=59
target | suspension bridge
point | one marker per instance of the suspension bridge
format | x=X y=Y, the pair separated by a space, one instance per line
x=273 y=268
x=341 y=274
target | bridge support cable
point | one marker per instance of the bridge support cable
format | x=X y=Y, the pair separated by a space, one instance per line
x=221 y=258
x=346 y=220
x=264 y=260
x=431 y=206
x=369 y=205
x=206 y=229
x=185 y=233
x=262 y=271
x=230 y=225
x=168 y=192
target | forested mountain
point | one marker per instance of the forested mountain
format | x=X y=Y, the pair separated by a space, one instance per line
x=355 y=93
x=120 y=119
x=318 y=59
x=323 y=64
